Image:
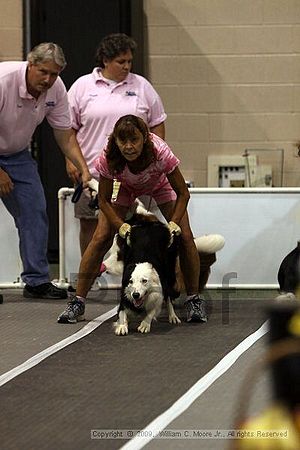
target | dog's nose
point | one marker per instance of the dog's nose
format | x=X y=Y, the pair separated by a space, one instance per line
x=136 y=295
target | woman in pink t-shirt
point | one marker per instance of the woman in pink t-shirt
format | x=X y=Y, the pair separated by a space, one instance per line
x=144 y=165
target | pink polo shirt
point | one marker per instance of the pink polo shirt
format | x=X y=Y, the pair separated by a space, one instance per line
x=96 y=105
x=20 y=113
x=152 y=181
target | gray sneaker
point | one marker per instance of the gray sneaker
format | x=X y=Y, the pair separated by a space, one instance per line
x=196 y=309
x=73 y=313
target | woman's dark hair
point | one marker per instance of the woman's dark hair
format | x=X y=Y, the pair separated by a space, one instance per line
x=125 y=128
x=112 y=46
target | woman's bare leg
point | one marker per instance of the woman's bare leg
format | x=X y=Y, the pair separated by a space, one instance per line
x=89 y=267
x=87 y=229
x=95 y=252
x=190 y=266
x=189 y=257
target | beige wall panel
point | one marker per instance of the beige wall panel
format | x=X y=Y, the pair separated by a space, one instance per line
x=194 y=69
x=296 y=99
x=234 y=127
x=254 y=69
x=282 y=69
x=177 y=70
x=203 y=12
x=11 y=44
x=205 y=40
x=171 y=97
x=193 y=154
x=236 y=40
x=11 y=14
x=163 y=40
x=236 y=69
x=282 y=127
x=281 y=11
x=198 y=177
x=164 y=70
x=254 y=127
x=291 y=160
x=173 y=12
x=233 y=12
x=188 y=127
x=296 y=38
x=292 y=179
x=261 y=98
x=225 y=98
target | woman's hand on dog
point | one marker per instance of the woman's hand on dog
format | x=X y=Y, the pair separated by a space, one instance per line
x=124 y=232
x=174 y=229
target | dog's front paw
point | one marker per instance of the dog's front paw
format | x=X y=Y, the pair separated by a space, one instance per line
x=174 y=319
x=121 y=329
x=144 y=327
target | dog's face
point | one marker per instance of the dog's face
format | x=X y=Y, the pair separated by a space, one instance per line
x=141 y=279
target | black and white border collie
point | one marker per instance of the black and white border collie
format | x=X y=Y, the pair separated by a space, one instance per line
x=149 y=274
x=151 y=271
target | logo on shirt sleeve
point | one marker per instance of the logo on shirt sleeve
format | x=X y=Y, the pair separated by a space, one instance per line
x=50 y=103
x=130 y=93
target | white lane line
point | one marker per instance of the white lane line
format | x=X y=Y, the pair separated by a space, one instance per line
x=36 y=359
x=194 y=392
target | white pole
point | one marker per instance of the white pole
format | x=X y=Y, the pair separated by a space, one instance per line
x=62 y=194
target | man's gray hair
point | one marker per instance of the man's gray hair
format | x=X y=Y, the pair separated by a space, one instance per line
x=47 y=51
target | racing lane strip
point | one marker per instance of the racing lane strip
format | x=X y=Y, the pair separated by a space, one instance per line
x=182 y=404
x=39 y=357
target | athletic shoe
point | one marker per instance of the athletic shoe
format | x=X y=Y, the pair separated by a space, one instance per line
x=196 y=309
x=45 y=290
x=73 y=313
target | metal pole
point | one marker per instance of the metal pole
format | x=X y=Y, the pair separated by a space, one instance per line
x=27 y=26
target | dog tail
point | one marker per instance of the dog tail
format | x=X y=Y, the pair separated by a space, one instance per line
x=209 y=243
x=140 y=208
x=285 y=296
x=93 y=184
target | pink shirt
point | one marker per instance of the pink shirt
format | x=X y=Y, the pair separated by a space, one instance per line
x=97 y=105
x=153 y=178
x=20 y=113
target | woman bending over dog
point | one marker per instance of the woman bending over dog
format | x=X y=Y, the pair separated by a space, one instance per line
x=144 y=165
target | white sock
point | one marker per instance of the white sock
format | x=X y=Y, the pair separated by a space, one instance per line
x=189 y=297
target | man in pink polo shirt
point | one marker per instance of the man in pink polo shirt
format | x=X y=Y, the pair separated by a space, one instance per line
x=29 y=91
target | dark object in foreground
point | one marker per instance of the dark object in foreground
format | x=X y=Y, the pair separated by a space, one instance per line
x=288 y=274
x=285 y=328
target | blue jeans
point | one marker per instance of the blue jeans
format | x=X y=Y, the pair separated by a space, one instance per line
x=27 y=204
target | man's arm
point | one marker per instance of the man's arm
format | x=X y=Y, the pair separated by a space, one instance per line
x=72 y=171
x=66 y=139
